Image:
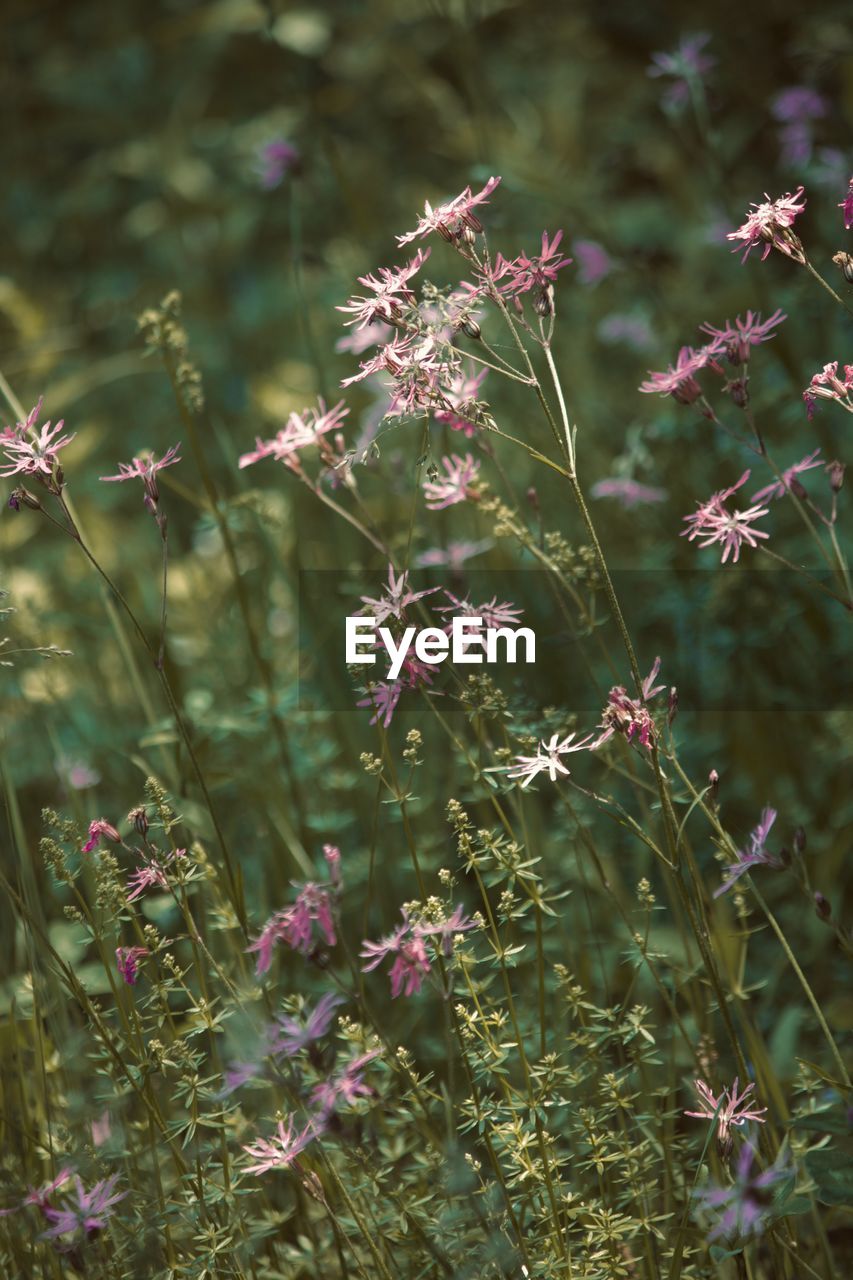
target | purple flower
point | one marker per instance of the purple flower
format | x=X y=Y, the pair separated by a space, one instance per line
x=594 y=262
x=742 y=1210
x=382 y=697
x=755 y=856
x=277 y=158
x=798 y=103
x=37 y=455
x=629 y=492
x=731 y=529
x=453 y=220
x=291 y=1035
x=127 y=962
x=685 y=64
x=737 y=339
x=730 y=1108
x=282 y=1149
x=780 y=487
x=632 y=330
x=456 y=486
x=89 y=1211
x=769 y=224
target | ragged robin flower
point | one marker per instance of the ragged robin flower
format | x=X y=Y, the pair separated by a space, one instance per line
x=768 y=226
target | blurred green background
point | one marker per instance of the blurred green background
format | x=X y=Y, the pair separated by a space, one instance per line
x=133 y=166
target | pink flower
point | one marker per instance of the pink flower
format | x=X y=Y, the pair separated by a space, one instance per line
x=460 y=408
x=346 y=1086
x=396 y=598
x=149 y=874
x=730 y=1108
x=456 y=486
x=89 y=1211
x=300 y=432
x=282 y=1149
x=756 y=855
x=685 y=64
x=828 y=386
x=277 y=158
x=98 y=830
x=332 y=854
x=779 y=488
x=713 y=522
x=629 y=492
x=145 y=468
x=101 y=1129
x=453 y=220
x=737 y=339
x=453 y=556
x=594 y=262
x=522 y=274
x=38 y=455
x=628 y=716
x=294 y=926
x=679 y=380
x=447 y=930
x=847 y=206
x=127 y=962
x=392 y=297
x=493 y=613
x=39 y=1197
x=769 y=225
x=411 y=961
x=798 y=103
x=358 y=340
x=382 y=698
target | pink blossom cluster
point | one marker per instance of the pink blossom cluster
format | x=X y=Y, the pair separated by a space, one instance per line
x=731 y=341
x=828 y=385
x=80 y=1213
x=629 y=716
x=294 y=926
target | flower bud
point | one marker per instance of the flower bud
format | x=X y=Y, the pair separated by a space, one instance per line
x=543 y=302
x=468 y=325
x=835 y=470
x=797 y=489
x=533 y=498
x=738 y=389
x=823 y=910
x=713 y=786
x=799 y=842
x=673 y=705
x=844 y=262
x=138 y=819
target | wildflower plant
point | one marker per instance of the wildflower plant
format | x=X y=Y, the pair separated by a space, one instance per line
x=440 y=978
